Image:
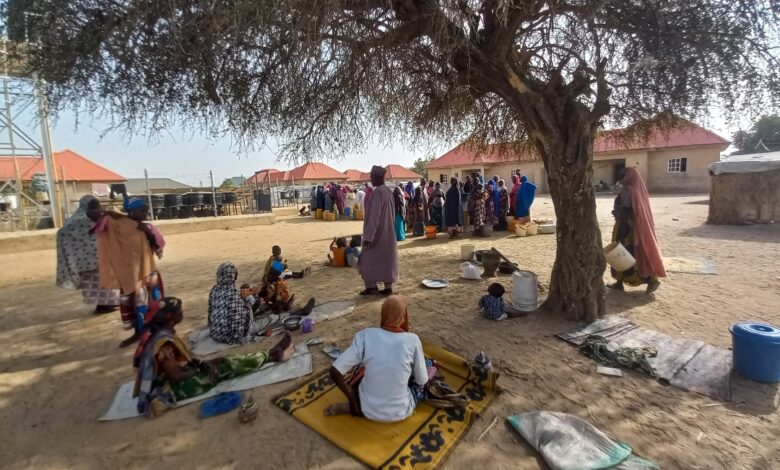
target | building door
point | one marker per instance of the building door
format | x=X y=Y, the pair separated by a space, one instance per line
x=616 y=167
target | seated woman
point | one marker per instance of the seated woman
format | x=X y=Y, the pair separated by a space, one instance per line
x=389 y=369
x=230 y=313
x=167 y=372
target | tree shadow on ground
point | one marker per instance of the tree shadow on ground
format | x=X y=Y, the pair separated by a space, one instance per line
x=765 y=233
x=755 y=398
x=622 y=301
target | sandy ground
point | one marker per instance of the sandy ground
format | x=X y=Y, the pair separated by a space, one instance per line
x=60 y=364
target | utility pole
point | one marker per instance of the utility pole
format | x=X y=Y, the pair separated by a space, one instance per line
x=20 y=202
x=48 y=156
x=65 y=191
x=213 y=193
x=148 y=193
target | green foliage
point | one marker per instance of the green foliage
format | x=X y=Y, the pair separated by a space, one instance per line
x=764 y=134
x=227 y=184
x=420 y=166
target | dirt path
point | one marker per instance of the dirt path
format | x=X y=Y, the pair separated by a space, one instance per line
x=60 y=365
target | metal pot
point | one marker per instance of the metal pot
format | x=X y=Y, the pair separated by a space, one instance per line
x=292 y=323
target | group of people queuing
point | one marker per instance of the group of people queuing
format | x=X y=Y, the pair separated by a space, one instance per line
x=470 y=202
x=333 y=197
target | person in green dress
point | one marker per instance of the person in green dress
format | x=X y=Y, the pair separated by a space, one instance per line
x=167 y=371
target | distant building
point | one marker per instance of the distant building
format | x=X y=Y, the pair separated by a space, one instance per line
x=76 y=176
x=156 y=185
x=673 y=161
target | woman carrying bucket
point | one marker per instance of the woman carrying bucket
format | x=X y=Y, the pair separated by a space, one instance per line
x=635 y=230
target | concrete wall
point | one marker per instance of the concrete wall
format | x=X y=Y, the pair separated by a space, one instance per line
x=696 y=178
x=19 y=242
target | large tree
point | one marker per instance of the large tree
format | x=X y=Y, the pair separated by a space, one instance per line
x=325 y=75
x=764 y=135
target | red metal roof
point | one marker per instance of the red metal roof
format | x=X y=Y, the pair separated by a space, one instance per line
x=397 y=172
x=262 y=175
x=687 y=134
x=314 y=171
x=77 y=168
x=467 y=155
x=357 y=176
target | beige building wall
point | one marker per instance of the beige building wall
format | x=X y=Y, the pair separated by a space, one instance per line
x=696 y=178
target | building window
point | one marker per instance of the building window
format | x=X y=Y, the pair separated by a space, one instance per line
x=443 y=178
x=516 y=172
x=677 y=165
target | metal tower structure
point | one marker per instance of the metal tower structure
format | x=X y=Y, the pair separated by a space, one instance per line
x=23 y=95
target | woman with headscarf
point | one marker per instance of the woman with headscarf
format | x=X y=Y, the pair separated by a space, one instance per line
x=436 y=202
x=418 y=212
x=126 y=252
x=635 y=230
x=453 y=215
x=513 y=194
x=320 y=197
x=77 y=258
x=490 y=209
x=167 y=372
x=502 y=205
x=387 y=366
x=400 y=214
x=328 y=200
x=409 y=189
x=525 y=197
x=465 y=196
x=230 y=315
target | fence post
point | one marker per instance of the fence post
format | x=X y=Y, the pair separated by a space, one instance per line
x=213 y=193
x=148 y=193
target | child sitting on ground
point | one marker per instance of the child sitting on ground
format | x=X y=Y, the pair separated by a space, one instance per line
x=492 y=304
x=353 y=252
x=276 y=256
x=274 y=292
x=338 y=256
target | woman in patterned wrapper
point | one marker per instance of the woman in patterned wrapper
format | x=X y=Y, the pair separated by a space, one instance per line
x=231 y=311
x=77 y=258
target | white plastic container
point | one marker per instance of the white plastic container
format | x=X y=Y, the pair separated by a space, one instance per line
x=520 y=230
x=618 y=257
x=531 y=229
x=525 y=292
x=466 y=252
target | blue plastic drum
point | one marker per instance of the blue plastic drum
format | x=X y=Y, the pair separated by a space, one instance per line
x=756 y=348
x=347 y=210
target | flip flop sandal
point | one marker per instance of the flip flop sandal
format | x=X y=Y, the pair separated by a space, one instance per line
x=220 y=404
x=248 y=411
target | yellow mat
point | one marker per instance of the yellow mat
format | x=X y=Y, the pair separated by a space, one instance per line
x=422 y=441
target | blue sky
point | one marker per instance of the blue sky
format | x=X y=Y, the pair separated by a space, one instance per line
x=188 y=157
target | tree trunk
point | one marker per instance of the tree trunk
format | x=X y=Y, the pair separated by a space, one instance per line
x=576 y=285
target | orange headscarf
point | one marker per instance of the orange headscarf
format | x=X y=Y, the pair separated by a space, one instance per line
x=395 y=317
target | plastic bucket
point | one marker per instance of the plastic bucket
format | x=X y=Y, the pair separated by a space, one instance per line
x=431 y=230
x=319 y=213
x=525 y=292
x=618 y=257
x=466 y=252
x=520 y=230
x=756 y=351
x=531 y=229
